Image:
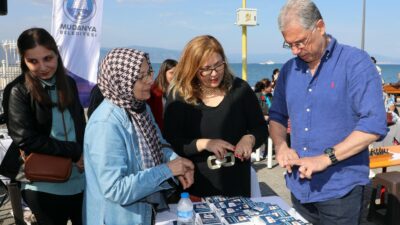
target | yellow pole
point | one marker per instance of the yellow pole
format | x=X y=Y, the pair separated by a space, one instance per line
x=244 y=47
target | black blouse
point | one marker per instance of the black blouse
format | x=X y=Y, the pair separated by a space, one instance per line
x=238 y=114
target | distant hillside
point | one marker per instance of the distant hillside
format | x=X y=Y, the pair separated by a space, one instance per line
x=258 y=58
x=157 y=55
x=381 y=59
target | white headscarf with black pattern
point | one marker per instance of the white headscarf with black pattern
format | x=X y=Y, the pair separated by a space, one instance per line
x=119 y=71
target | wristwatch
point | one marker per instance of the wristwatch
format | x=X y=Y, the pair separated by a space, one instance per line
x=330 y=152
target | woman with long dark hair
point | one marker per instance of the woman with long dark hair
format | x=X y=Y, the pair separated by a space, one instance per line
x=47 y=118
x=159 y=90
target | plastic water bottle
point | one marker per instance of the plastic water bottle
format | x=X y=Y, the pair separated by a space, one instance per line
x=185 y=210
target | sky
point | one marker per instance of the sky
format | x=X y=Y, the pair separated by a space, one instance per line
x=170 y=24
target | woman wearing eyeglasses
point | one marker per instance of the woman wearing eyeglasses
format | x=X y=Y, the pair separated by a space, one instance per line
x=214 y=119
x=128 y=168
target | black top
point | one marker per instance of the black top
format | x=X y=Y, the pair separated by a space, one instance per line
x=29 y=125
x=238 y=114
x=96 y=97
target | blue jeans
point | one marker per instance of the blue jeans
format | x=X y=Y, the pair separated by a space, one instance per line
x=345 y=210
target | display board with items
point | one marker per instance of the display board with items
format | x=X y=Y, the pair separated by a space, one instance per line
x=220 y=210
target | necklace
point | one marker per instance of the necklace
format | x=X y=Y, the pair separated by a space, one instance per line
x=209 y=92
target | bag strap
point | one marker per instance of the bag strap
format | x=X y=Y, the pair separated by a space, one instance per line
x=65 y=128
x=22 y=153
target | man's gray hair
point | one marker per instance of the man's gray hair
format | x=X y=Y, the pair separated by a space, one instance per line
x=304 y=12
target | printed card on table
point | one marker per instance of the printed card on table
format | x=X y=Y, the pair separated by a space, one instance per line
x=242 y=220
x=213 y=199
x=201 y=208
x=208 y=219
x=279 y=213
x=263 y=207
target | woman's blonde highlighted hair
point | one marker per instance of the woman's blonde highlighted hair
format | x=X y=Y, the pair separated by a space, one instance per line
x=185 y=82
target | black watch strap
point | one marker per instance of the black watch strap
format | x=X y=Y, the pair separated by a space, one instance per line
x=330 y=152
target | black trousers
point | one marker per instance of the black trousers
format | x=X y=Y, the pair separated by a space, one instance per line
x=52 y=209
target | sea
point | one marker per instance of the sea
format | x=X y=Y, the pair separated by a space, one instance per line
x=256 y=72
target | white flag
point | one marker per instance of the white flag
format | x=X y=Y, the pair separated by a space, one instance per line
x=76 y=27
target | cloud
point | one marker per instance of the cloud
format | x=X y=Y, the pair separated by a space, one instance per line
x=168 y=14
x=43 y=2
x=145 y=1
x=217 y=13
x=182 y=24
x=194 y=26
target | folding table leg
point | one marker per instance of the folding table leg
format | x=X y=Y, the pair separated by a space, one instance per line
x=269 y=149
x=15 y=198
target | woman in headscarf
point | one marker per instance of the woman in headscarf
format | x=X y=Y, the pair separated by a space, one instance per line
x=128 y=167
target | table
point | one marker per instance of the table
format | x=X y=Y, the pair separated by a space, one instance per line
x=394 y=161
x=168 y=217
x=390 y=89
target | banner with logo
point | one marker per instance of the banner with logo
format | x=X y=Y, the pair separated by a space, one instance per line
x=76 y=27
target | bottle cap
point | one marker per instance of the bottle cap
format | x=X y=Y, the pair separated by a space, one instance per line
x=184 y=195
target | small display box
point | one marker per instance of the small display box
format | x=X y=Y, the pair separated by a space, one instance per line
x=246 y=17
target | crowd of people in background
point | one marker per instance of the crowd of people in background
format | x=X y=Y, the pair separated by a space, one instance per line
x=264 y=90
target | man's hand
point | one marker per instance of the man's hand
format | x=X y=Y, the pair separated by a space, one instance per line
x=284 y=155
x=310 y=165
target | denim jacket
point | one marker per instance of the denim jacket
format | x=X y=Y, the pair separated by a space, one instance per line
x=116 y=184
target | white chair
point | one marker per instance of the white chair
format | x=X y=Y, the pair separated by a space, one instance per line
x=269 y=153
x=256 y=156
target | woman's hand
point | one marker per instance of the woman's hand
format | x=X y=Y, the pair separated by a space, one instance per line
x=245 y=146
x=219 y=147
x=183 y=169
x=80 y=164
x=187 y=179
